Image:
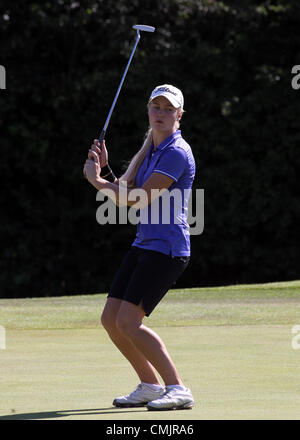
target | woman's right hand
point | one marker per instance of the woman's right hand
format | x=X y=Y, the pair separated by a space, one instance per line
x=102 y=153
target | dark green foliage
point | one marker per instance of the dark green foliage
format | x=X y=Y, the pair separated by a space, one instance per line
x=64 y=61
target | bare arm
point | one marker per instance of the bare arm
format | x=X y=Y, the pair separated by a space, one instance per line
x=154 y=186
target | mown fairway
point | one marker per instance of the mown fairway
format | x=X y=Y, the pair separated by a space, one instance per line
x=232 y=346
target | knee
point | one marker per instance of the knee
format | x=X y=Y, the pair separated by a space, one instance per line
x=108 y=321
x=126 y=326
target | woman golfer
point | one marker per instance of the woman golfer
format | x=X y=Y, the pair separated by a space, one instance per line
x=159 y=254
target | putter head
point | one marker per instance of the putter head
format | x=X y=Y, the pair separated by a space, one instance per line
x=143 y=27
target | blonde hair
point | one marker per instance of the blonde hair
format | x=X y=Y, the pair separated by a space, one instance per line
x=138 y=158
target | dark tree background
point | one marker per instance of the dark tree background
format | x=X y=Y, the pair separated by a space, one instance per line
x=64 y=61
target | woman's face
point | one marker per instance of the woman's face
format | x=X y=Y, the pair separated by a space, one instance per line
x=163 y=117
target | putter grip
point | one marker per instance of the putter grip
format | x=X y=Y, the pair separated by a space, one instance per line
x=101 y=138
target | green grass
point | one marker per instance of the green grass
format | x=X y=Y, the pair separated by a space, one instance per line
x=232 y=346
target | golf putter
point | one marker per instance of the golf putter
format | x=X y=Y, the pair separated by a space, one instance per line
x=138 y=28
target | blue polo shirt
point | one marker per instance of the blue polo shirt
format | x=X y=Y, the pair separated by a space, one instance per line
x=163 y=223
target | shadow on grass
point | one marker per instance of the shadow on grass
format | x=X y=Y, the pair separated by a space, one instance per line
x=73 y=412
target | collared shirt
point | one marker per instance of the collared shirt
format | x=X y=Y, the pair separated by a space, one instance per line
x=163 y=224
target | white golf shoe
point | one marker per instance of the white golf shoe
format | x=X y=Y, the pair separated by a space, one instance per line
x=143 y=394
x=174 y=398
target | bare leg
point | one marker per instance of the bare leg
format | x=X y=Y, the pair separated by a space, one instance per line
x=141 y=365
x=147 y=342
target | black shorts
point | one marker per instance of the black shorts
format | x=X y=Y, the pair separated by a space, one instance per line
x=145 y=276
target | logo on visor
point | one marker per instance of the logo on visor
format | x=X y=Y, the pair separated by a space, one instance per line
x=166 y=89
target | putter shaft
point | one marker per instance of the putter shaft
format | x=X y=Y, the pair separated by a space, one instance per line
x=102 y=135
x=138 y=28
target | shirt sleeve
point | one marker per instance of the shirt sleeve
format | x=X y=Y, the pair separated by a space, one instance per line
x=172 y=163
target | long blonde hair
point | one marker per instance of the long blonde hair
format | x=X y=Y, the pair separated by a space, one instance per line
x=137 y=160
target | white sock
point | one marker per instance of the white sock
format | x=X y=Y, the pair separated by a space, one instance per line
x=178 y=387
x=152 y=385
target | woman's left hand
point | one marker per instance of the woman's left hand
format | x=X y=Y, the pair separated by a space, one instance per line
x=92 y=168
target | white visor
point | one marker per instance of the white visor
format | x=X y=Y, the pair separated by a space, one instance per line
x=172 y=94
